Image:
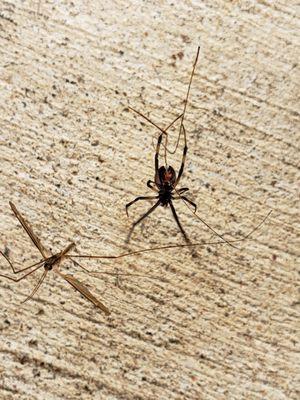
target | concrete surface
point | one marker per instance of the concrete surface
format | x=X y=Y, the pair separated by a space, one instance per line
x=221 y=325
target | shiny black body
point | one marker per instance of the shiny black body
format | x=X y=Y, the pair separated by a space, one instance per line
x=164 y=184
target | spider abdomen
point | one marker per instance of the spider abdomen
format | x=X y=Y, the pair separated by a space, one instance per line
x=165 y=176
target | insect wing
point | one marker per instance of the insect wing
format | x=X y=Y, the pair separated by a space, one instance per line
x=85 y=292
x=29 y=231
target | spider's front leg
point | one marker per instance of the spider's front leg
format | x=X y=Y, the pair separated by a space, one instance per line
x=185 y=149
x=157 y=153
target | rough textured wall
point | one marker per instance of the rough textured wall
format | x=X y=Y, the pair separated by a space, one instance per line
x=219 y=325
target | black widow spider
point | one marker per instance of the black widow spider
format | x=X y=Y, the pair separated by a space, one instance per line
x=165 y=179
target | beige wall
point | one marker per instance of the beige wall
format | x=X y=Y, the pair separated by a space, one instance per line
x=219 y=325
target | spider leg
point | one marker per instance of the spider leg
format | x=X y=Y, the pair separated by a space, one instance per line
x=151 y=184
x=185 y=103
x=141 y=219
x=146 y=214
x=182 y=190
x=187 y=200
x=178 y=223
x=157 y=153
x=185 y=149
x=137 y=199
x=166 y=138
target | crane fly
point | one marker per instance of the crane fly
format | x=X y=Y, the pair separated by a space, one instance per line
x=48 y=263
x=53 y=261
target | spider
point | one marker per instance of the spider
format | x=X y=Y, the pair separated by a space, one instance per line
x=165 y=178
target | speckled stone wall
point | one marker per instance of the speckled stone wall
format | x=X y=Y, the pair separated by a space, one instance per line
x=220 y=324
